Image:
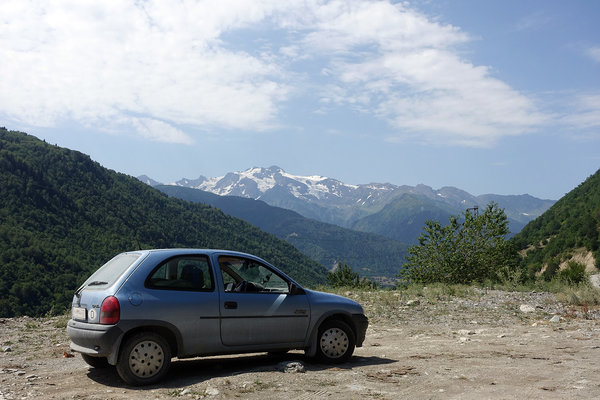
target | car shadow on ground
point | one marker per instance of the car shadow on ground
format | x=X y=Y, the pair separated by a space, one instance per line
x=197 y=370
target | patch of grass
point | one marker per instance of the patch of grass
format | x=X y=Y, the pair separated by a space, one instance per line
x=398 y=303
x=175 y=393
x=571 y=287
x=434 y=291
x=184 y=392
x=580 y=295
x=61 y=321
x=392 y=303
x=263 y=385
x=31 y=325
x=442 y=291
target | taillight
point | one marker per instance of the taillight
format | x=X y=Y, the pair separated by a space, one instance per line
x=110 y=311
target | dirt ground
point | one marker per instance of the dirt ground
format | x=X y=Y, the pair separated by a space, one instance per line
x=485 y=345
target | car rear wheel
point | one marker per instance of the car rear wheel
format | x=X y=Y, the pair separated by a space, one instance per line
x=144 y=359
x=96 y=362
x=336 y=342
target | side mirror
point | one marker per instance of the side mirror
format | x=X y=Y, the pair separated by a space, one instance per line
x=295 y=289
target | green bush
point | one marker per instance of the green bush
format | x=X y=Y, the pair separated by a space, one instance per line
x=551 y=270
x=345 y=277
x=474 y=250
x=573 y=274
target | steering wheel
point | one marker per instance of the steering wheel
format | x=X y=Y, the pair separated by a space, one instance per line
x=241 y=286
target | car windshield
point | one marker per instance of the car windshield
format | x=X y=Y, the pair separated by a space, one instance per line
x=107 y=274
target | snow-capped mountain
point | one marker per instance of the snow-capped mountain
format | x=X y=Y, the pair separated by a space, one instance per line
x=255 y=182
x=333 y=201
x=318 y=197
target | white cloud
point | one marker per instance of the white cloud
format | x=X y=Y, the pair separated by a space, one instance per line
x=97 y=61
x=172 y=65
x=585 y=115
x=594 y=53
x=159 y=131
x=407 y=69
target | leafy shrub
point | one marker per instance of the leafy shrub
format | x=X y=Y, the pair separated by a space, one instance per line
x=345 y=277
x=472 y=251
x=573 y=274
x=551 y=270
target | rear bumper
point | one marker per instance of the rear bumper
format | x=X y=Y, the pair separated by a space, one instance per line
x=361 y=322
x=95 y=339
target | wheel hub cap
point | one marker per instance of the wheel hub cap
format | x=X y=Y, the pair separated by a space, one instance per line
x=146 y=359
x=334 y=343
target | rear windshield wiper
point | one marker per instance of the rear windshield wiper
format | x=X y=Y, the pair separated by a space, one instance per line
x=97 y=283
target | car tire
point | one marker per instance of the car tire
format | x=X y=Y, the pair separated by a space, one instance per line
x=95 y=362
x=144 y=359
x=335 y=342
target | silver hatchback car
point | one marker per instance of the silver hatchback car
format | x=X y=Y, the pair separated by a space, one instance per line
x=142 y=308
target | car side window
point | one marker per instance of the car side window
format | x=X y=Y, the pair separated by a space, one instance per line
x=191 y=273
x=248 y=276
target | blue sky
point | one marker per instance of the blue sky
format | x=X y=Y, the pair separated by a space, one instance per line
x=488 y=96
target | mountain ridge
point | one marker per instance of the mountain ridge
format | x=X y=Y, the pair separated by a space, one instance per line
x=335 y=202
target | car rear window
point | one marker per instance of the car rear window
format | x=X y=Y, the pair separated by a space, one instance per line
x=107 y=274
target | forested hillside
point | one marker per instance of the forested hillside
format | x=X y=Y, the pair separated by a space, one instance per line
x=63 y=215
x=404 y=217
x=369 y=254
x=570 y=224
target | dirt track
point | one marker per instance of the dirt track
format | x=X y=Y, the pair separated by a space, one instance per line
x=484 y=346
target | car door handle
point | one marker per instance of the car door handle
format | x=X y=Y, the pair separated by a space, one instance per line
x=230 y=305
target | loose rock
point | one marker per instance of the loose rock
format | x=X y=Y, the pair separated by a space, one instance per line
x=526 y=308
x=211 y=391
x=292 y=367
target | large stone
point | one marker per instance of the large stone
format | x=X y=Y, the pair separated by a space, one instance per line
x=526 y=308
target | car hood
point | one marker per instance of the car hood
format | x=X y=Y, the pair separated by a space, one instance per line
x=334 y=301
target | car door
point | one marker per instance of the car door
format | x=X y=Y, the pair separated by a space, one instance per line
x=256 y=306
x=182 y=292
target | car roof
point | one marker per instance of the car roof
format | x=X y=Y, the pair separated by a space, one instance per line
x=170 y=252
x=176 y=251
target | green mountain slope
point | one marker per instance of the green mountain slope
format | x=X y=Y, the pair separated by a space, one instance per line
x=63 y=215
x=570 y=224
x=403 y=218
x=370 y=255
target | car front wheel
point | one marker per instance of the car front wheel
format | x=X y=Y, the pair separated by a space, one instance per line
x=336 y=342
x=144 y=359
